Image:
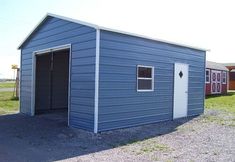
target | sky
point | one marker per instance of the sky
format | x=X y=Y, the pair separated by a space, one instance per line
x=208 y=24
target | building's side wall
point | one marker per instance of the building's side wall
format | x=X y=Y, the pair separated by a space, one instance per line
x=224 y=89
x=55 y=32
x=232 y=80
x=208 y=88
x=120 y=105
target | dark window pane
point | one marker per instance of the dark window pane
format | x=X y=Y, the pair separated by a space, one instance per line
x=144 y=84
x=144 y=72
x=224 y=77
x=207 y=73
x=207 y=79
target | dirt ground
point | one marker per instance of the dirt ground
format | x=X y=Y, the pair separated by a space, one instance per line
x=47 y=138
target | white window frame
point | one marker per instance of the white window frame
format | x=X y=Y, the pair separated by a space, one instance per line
x=209 y=75
x=224 y=72
x=152 y=79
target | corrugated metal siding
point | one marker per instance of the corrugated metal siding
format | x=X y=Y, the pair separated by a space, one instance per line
x=120 y=105
x=55 y=32
x=60 y=79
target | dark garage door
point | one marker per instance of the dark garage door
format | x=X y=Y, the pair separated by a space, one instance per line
x=52 y=76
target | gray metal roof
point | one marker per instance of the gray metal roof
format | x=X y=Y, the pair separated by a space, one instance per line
x=107 y=29
x=214 y=65
x=229 y=64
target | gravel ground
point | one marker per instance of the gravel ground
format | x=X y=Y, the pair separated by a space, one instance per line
x=209 y=137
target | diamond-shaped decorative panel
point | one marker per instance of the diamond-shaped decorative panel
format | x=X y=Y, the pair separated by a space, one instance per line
x=181 y=74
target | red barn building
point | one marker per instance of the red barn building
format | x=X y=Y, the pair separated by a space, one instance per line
x=216 y=78
x=231 y=76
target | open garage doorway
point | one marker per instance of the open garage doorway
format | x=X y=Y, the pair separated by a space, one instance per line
x=52 y=83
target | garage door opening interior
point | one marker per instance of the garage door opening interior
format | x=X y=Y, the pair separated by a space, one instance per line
x=52 y=81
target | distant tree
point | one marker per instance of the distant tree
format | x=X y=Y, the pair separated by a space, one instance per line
x=14 y=66
x=16 y=87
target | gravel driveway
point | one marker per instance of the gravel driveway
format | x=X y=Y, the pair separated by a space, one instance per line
x=210 y=137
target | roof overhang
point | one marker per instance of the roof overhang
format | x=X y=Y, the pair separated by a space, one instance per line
x=230 y=66
x=104 y=28
x=215 y=65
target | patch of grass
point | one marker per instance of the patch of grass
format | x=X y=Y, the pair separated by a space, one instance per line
x=169 y=160
x=154 y=147
x=210 y=118
x=8 y=104
x=220 y=109
x=225 y=102
x=221 y=118
x=7 y=84
x=149 y=146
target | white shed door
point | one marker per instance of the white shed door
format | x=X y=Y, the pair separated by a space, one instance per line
x=180 y=91
x=215 y=81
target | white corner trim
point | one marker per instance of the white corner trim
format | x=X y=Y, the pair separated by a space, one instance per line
x=33 y=84
x=97 y=64
x=69 y=83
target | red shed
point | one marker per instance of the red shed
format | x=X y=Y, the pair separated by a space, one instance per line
x=231 y=76
x=216 y=78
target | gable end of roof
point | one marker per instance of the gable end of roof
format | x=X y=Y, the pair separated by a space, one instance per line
x=55 y=16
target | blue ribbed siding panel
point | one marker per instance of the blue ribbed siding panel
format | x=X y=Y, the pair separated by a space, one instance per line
x=54 y=32
x=120 y=105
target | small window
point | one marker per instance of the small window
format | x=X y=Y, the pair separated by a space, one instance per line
x=145 y=78
x=207 y=76
x=224 y=77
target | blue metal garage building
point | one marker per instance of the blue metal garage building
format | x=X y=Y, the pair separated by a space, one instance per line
x=108 y=79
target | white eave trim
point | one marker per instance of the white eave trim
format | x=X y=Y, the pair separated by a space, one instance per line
x=97 y=64
x=108 y=29
x=155 y=39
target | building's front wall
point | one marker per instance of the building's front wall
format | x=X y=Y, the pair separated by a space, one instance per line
x=120 y=105
x=208 y=90
x=56 y=32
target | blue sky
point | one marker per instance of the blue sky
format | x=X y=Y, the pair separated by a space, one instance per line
x=208 y=24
